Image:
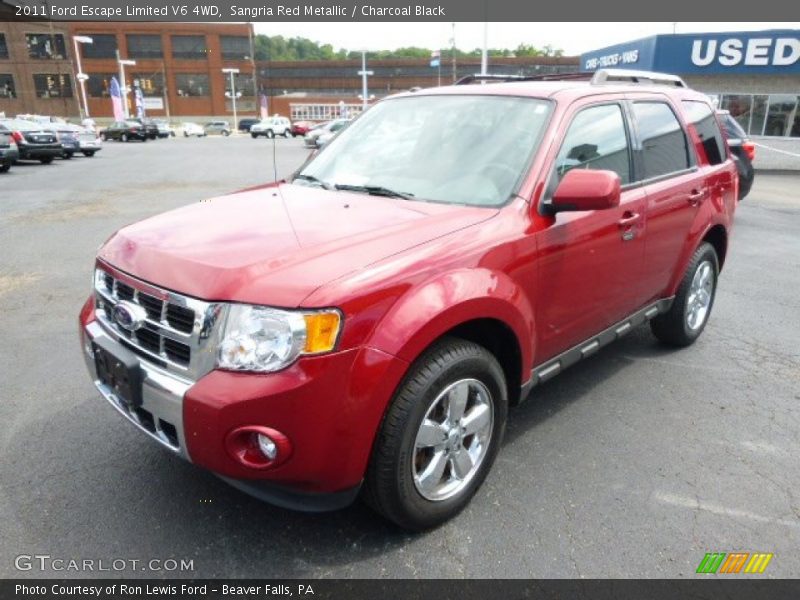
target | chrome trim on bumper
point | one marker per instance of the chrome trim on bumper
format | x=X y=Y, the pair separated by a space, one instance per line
x=162 y=396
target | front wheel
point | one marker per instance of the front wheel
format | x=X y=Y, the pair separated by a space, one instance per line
x=46 y=160
x=691 y=308
x=66 y=155
x=439 y=437
x=287 y=134
x=253 y=135
x=124 y=137
x=103 y=137
x=88 y=153
x=270 y=134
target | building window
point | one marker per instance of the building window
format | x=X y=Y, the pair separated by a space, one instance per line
x=7 y=86
x=144 y=46
x=152 y=84
x=192 y=84
x=190 y=47
x=323 y=112
x=235 y=47
x=244 y=83
x=775 y=115
x=98 y=84
x=104 y=45
x=3 y=46
x=50 y=85
x=46 y=45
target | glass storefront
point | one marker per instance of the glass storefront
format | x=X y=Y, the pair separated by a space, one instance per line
x=773 y=115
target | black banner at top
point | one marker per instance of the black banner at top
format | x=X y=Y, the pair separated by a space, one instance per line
x=391 y=10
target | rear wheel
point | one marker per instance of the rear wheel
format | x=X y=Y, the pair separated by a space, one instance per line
x=688 y=315
x=66 y=155
x=439 y=437
x=226 y=133
x=88 y=153
x=253 y=135
x=5 y=167
x=46 y=160
x=124 y=137
x=287 y=134
x=103 y=137
x=185 y=134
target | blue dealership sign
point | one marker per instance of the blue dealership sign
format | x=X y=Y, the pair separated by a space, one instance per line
x=776 y=51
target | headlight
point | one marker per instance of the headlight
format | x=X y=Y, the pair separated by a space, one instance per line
x=259 y=338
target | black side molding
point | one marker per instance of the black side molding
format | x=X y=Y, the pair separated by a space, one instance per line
x=554 y=366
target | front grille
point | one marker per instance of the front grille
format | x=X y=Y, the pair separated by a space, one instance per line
x=164 y=339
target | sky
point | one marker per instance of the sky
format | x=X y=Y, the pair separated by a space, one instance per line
x=573 y=38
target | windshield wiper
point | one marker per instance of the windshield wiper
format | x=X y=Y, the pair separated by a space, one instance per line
x=374 y=190
x=312 y=179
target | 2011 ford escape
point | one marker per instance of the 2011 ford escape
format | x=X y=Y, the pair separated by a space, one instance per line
x=365 y=326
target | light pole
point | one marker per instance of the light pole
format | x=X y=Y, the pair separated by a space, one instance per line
x=81 y=76
x=123 y=85
x=364 y=74
x=485 y=52
x=233 y=72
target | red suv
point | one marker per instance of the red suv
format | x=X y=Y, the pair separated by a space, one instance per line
x=364 y=327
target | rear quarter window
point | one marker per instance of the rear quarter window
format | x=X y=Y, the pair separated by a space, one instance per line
x=701 y=116
x=665 y=149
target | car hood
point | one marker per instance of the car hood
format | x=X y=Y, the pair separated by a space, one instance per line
x=276 y=245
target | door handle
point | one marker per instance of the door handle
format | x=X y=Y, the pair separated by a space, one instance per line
x=628 y=219
x=697 y=196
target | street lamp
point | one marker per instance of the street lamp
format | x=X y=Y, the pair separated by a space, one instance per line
x=364 y=73
x=81 y=76
x=124 y=87
x=233 y=95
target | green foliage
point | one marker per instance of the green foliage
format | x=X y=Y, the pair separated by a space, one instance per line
x=278 y=47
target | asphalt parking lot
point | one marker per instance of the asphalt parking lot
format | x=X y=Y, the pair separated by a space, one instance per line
x=634 y=463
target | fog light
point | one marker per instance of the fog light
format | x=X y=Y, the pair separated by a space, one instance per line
x=267 y=447
x=258 y=447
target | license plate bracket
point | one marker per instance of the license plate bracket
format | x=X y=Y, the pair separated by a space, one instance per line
x=118 y=368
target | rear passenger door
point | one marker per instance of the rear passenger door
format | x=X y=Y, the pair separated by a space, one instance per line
x=674 y=185
x=590 y=262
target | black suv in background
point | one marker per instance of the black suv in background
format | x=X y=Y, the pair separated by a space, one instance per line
x=743 y=150
x=33 y=142
x=124 y=131
x=246 y=124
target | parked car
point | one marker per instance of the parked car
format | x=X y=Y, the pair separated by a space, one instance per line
x=32 y=140
x=246 y=123
x=193 y=129
x=301 y=127
x=8 y=151
x=742 y=148
x=165 y=130
x=311 y=139
x=67 y=135
x=271 y=127
x=363 y=327
x=125 y=131
x=217 y=128
x=149 y=125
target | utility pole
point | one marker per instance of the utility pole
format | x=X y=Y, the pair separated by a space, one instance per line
x=364 y=74
x=453 y=47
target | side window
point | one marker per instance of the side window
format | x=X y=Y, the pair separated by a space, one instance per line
x=596 y=139
x=664 y=146
x=702 y=117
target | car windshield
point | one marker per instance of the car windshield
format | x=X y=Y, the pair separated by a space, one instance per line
x=442 y=148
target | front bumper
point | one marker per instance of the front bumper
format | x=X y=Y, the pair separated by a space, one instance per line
x=329 y=407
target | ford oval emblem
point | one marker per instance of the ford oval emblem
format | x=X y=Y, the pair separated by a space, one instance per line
x=129 y=316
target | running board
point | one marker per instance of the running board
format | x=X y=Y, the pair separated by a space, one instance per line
x=554 y=366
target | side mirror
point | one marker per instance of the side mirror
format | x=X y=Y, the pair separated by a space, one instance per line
x=586 y=189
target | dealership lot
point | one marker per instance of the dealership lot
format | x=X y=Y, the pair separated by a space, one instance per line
x=634 y=463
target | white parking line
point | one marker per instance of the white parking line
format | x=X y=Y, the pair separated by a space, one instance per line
x=687 y=502
x=776 y=150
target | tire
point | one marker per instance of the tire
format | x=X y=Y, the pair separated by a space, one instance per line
x=186 y=135
x=66 y=155
x=226 y=133
x=681 y=325
x=287 y=134
x=393 y=484
x=4 y=167
x=270 y=134
x=253 y=135
x=144 y=139
x=88 y=153
x=46 y=160
x=123 y=137
x=103 y=137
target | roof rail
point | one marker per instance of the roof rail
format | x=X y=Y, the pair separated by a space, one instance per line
x=509 y=78
x=630 y=76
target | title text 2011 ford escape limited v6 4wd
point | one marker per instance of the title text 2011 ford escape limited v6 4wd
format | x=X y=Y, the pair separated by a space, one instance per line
x=365 y=326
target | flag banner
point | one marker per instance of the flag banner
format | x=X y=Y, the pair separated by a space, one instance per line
x=116 y=99
x=140 y=108
x=262 y=105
